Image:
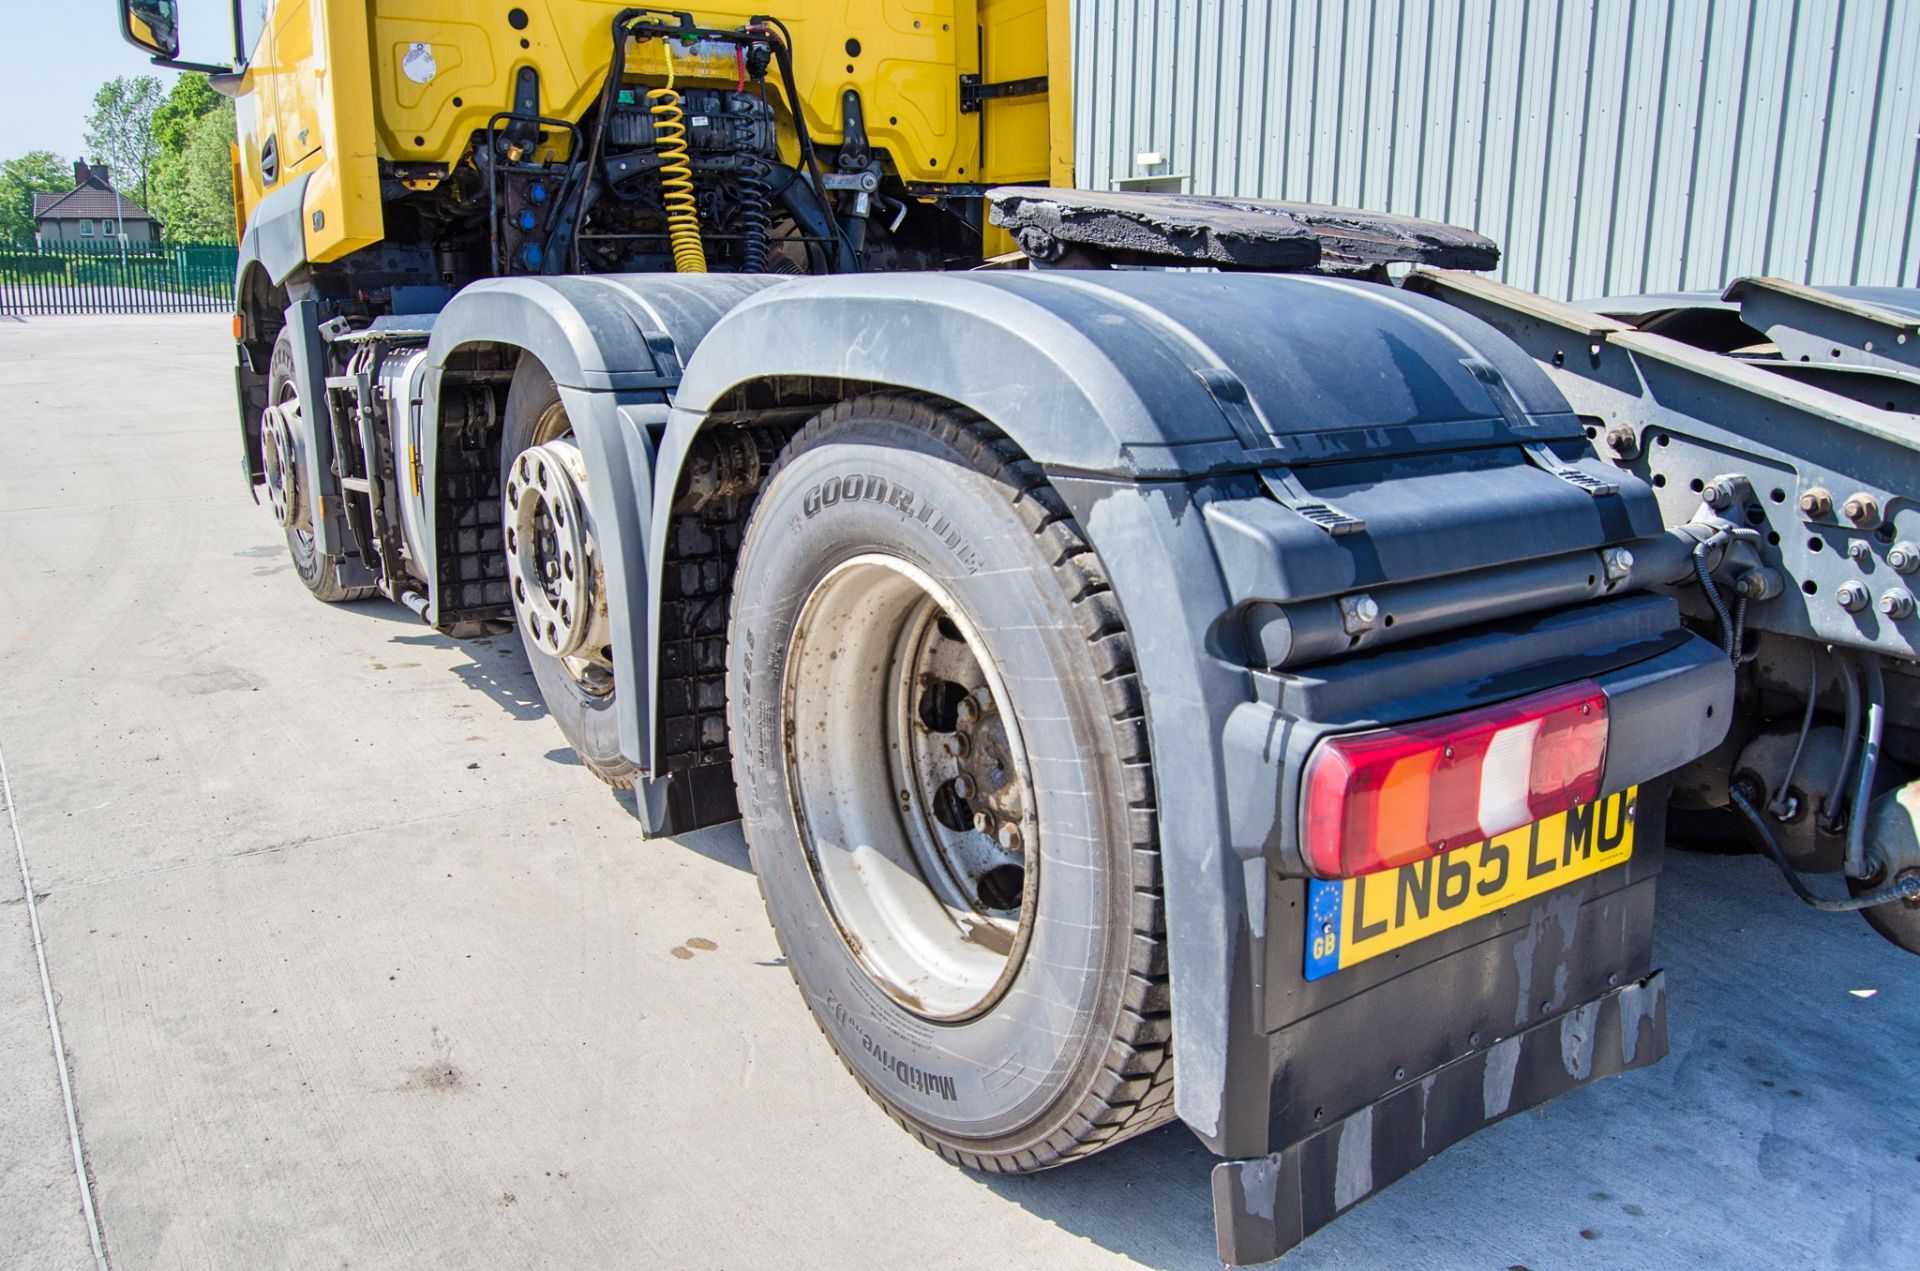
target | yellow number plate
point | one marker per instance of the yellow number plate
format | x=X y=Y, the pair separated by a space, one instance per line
x=1352 y=919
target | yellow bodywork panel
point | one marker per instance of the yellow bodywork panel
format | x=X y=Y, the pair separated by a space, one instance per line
x=338 y=85
x=308 y=94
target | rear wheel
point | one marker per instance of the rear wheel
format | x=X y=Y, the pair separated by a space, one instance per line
x=554 y=572
x=941 y=752
x=284 y=464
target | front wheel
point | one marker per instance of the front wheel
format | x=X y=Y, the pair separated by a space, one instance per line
x=280 y=431
x=941 y=751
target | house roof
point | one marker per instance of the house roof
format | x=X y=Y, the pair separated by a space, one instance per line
x=89 y=201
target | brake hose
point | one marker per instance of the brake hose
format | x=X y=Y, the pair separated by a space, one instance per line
x=1869 y=762
x=1836 y=801
x=1906 y=888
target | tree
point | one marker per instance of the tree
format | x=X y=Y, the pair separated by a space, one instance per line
x=190 y=98
x=36 y=172
x=193 y=185
x=120 y=131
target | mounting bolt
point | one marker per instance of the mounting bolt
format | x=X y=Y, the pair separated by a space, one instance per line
x=1619 y=563
x=1897 y=604
x=1816 y=502
x=1904 y=557
x=1358 y=613
x=1622 y=440
x=1861 y=509
x=1010 y=837
x=1858 y=552
x=1853 y=597
x=1718 y=495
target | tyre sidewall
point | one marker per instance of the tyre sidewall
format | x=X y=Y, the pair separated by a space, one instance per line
x=318 y=572
x=1005 y=1078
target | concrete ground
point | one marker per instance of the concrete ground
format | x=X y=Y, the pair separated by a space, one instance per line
x=354 y=965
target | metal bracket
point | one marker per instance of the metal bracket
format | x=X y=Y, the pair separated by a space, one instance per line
x=1284 y=486
x=522 y=131
x=1544 y=459
x=973 y=92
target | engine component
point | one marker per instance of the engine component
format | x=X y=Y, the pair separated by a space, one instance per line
x=1794 y=776
x=717 y=122
x=1893 y=829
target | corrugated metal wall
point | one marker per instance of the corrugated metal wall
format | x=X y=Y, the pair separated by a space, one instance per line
x=1609 y=146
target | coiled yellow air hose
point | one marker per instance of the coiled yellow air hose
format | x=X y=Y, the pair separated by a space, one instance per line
x=676 y=175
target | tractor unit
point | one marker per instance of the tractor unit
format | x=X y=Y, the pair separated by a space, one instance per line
x=1171 y=657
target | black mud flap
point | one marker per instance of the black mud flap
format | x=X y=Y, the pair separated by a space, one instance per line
x=250 y=391
x=1265 y=1206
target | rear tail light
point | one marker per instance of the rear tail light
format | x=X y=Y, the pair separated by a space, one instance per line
x=1380 y=799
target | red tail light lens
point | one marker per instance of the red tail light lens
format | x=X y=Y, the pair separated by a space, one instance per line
x=1379 y=799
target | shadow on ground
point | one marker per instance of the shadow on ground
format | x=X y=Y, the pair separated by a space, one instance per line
x=496 y=666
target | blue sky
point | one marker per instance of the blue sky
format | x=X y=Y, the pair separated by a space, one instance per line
x=55 y=53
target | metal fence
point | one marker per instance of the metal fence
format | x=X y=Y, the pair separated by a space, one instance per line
x=106 y=277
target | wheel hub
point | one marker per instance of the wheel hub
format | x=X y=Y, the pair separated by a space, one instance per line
x=912 y=788
x=553 y=566
x=279 y=425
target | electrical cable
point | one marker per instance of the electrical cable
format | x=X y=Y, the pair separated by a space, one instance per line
x=1777 y=805
x=676 y=174
x=1712 y=590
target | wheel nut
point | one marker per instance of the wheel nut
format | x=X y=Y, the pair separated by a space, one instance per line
x=1852 y=597
x=1861 y=509
x=963 y=786
x=1897 y=604
x=1816 y=502
x=1904 y=557
x=983 y=822
x=1010 y=837
x=966 y=712
x=956 y=745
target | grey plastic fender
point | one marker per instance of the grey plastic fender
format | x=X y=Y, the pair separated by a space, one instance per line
x=614 y=345
x=1151 y=374
x=276 y=238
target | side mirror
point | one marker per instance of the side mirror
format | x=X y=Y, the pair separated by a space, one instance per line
x=151 y=25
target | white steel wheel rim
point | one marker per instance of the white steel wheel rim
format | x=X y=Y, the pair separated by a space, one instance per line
x=553 y=568
x=278 y=464
x=935 y=908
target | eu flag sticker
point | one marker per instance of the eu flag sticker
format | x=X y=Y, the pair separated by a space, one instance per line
x=1323 y=927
